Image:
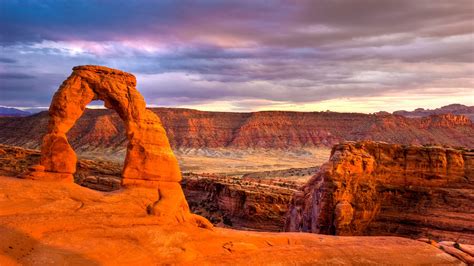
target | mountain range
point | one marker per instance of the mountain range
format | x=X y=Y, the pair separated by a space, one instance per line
x=9 y=111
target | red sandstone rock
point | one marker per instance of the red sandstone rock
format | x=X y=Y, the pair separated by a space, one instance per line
x=370 y=188
x=65 y=224
x=238 y=204
x=149 y=157
x=104 y=130
x=149 y=161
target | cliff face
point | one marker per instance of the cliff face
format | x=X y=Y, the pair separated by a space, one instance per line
x=370 y=188
x=103 y=130
x=238 y=204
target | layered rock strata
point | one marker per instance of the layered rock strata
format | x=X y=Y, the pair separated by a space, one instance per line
x=373 y=188
x=237 y=203
x=103 y=130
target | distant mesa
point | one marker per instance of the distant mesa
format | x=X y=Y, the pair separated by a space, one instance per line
x=455 y=109
x=149 y=161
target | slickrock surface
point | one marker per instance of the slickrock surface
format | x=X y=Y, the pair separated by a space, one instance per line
x=103 y=130
x=463 y=252
x=370 y=188
x=44 y=223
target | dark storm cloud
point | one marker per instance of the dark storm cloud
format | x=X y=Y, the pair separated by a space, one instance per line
x=200 y=51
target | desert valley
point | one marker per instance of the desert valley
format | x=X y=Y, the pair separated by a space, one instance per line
x=236 y=133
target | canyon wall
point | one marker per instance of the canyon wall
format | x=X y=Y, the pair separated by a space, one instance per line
x=237 y=203
x=104 y=131
x=374 y=188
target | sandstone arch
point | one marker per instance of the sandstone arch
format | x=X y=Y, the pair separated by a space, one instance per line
x=149 y=157
x=149 y=161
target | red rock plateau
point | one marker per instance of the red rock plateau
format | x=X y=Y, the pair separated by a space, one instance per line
x=103 y=130
x=372 y=188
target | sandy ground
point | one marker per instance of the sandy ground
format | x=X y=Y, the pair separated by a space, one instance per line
x=45 y=223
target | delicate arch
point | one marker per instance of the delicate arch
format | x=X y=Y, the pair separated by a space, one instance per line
x=149 y=156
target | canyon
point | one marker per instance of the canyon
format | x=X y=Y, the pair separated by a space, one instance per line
x=365 y=189
x=254 y=202
x=374 y=188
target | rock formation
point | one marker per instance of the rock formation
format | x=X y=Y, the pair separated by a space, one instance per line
x=238 y=204
x=370 y=188
x=53 y=223
x=192 y=129
x=455 y=109
x=149 y=160
x=251 y=203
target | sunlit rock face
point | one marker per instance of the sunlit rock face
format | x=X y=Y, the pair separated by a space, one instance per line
x=149 y=157
x=374 y=188
x=149 y=161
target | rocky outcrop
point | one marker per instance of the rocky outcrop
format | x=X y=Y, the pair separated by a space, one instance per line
x=103 y=130
x=149 y=160
x=372 y=188
x=445 y=120
x=95 y=174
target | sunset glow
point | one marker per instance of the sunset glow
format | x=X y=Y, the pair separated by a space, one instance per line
x=247 y=55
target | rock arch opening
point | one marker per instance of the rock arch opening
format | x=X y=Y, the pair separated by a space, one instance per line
x=149 y=158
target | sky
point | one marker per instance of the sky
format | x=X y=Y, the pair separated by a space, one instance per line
x=307 y=55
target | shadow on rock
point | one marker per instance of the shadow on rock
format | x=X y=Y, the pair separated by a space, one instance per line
x=19 y=248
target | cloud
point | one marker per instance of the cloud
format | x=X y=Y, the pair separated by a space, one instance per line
x=15 y=76
x=5 y=60
x=258 y=52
